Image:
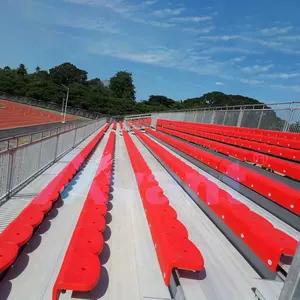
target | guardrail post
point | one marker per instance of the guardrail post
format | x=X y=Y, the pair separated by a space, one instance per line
x=56 y=146
x=75 y=137
x=291 y=288
x=260 y=118
x=10 y=172
x=240 y=118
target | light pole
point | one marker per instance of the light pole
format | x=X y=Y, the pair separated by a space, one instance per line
x=62 y=107
x=66 y=104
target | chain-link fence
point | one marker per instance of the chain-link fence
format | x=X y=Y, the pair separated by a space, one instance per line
x=25 y=157
x=280 y=116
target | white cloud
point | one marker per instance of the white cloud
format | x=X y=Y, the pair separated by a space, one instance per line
x=211 y=50
x=281 y=75
x=257 y=69
x=150 y=2
x=220 y=83
x=295 y=88
x=191 y=19
x=290 y=38
x=276 y=30
x=251 y=81
x=221 y=38
x=242 y=38
x=100 y=24
x=159 y=56
x=198 y=30
x=238 y=59
x=121 y=7
x=168 y=12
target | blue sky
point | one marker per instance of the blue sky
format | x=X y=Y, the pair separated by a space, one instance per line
x=179 y=48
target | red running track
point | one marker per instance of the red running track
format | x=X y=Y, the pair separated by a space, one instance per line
x=19 y=115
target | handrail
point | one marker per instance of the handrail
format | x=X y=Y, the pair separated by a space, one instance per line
x=50 y=129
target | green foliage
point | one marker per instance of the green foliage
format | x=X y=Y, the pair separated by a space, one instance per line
x=22 y=70
x=67 y=74
x=121 y=86
x=116 y=99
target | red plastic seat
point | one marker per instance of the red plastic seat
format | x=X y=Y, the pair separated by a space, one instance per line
x=32 y=216
x=162 y=218
x=92 y=219
x=173 y=252
x=17 y=232
x=8 y=254
x=267 y=242
x=80 y=272
x=86 y=239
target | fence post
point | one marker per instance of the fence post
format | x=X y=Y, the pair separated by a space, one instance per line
x=195 y=116
x=260 y=118
x=75 y=137
x=240 y=118
x=56 y=147
x=40 y=153
x=291 y=288
x=213 y=117
x=10 y=172
x=286 y=128
x=225 y=116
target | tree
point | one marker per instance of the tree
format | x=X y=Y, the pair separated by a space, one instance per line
x=67 y=73
x=161 y=100
x=118 y=98
x=121 y=86
x=22 y=70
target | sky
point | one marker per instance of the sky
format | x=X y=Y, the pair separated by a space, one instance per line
x=180 y=49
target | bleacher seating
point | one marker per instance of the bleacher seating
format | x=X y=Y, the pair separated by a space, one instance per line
x=20 y=231
x=268 y=243
x=138 y=123
x=276 y=191
x=281 y=166
x=80 y=270
x=291 y=140
x=170 y=237
x=236 y=138
x=121 y=125
x=114 y=126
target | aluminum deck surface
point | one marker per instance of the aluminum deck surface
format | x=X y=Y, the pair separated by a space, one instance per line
x=227 y=274
x=254 y=207
x=130 y=269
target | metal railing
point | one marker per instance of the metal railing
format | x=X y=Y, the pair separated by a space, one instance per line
x=24 y=157
x=50 y=105
x=278 y=116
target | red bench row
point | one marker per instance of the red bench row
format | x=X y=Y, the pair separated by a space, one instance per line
x=272 y=163
x=20 y=231
x=267 y=242
x=275 y=146
x=281 y=152
x=114 y=126
x=121 y=125
x=80 y=270
x=170 y=237
x=276 y=191
x=263 y=132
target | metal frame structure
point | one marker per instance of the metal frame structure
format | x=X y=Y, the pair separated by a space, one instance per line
x=275 y=116
x=291 y=288
x=24 y=157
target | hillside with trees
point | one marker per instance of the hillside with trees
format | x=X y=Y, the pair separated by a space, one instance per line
x=117 y=98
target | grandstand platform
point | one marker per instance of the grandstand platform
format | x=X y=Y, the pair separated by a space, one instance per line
x=134 y=255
